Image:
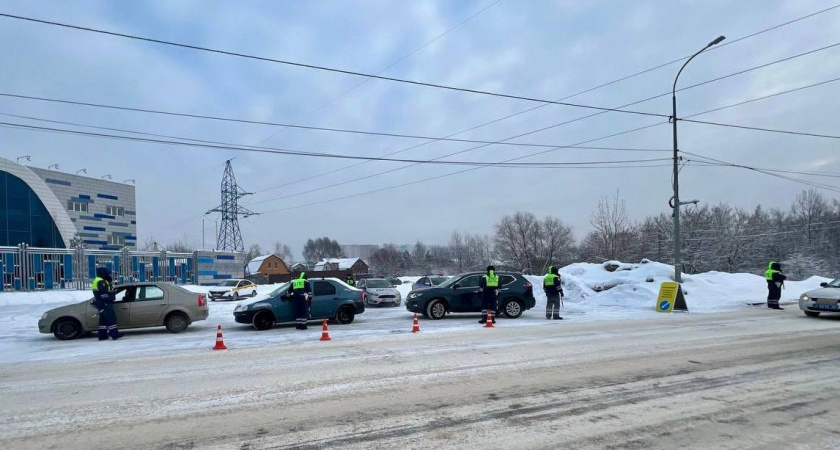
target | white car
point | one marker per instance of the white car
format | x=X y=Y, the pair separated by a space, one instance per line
x=233 y=290
x=826 y=299
x=379 y=291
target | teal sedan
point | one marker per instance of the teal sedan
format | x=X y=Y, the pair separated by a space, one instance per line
x=331 y=299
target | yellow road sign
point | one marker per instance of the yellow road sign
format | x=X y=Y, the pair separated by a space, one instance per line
x=670 y=298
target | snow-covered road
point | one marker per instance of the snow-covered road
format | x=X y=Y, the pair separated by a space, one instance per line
x=759 y=379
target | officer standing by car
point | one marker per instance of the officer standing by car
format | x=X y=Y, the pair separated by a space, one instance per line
x=301 y=290
x=489 y=289
x=775 y=280
x=350 y=280
x=553 y=291
x=103 y=299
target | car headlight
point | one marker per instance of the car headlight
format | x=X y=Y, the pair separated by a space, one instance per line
x=399 y=296
x=413 y=295
x=45 y=315
x=240 y=308
x=804 y=297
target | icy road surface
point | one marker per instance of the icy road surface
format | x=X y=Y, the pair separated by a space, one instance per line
x=751 y=379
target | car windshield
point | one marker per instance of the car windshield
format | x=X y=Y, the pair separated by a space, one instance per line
x=229 y=283
x=378 y=283
x=835 y=283
x=277 y=291
x=437 y=280
x=448 y=282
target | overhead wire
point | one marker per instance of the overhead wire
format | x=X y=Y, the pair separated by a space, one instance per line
x=321 y=68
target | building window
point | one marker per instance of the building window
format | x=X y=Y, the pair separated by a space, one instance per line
x=114 y=210
x=78 y=207
x=116 y=240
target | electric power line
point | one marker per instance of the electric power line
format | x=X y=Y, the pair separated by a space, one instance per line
x=323 y=68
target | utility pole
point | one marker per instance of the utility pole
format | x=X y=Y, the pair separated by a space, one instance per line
x=675 y=200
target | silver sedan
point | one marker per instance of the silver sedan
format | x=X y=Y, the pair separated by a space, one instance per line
x=826 y=299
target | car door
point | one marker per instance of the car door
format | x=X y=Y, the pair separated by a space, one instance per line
x=149 y=306
x=325 y=299
x=283 y=307
x=467 y=296
x=123 y=298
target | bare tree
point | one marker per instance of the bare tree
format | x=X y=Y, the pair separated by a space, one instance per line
x=320 y=248
x=387 y=260
x=525 y=242
x=253 y=251
x=284 y=252
x=612 y=227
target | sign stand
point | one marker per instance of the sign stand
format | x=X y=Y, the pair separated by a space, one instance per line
x=670 y=298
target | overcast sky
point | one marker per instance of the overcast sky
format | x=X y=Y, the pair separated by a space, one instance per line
x=545 y=49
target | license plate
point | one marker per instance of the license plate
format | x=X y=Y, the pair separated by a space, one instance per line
x=825 y=307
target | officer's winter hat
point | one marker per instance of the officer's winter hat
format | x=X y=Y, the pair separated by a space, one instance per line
x=555 y=271
x=491 y=269
x=103 y=272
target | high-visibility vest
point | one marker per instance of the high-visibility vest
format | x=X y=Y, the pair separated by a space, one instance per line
x=351 y=281
x=768 y=274
x=299 y=282
x=491 y=280
x=550 y=280
x=95 y=284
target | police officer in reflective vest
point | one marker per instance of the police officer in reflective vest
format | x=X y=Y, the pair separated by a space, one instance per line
x=103 y=300
x=553 y=291
x=489 y=289
x=775 y=281
x=349 y=280
x=300 y=293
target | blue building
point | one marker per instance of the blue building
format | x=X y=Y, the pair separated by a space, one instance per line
x=49 y=208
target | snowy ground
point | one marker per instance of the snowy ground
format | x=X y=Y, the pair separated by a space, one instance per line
x=629 y=294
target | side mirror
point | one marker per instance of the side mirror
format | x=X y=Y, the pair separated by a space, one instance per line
x=456 y=286
x=823 y=284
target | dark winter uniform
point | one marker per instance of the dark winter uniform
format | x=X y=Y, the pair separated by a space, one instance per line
x=489 y=289
x=103 y=300
x=350 y=280
x=300 y=290
x=775 y=281
x=553 y=291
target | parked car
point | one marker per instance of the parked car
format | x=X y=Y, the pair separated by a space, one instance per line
x=379 y=291
x=394 y=281
x=233 y=290
x=460 y=294
x=826 y=299
x=331 y=299
x=138 y=305
x=429 y=281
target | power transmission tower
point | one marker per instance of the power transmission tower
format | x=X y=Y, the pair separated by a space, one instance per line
x=229 y=237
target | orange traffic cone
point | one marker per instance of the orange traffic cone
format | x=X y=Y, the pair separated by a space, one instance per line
x=416 y=328
x=325 y=333
x=489 y=322
x=220 y=343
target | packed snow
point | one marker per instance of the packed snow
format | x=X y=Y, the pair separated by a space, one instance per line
x=591 y=293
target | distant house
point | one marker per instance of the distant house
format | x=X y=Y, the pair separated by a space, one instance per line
x=353 y=265
x=266 y=265
x=299 y=267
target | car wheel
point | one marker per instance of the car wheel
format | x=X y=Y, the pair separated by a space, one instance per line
x=236 y=296
x=176 y=322
x=263 y=320
x=345 y=315
x=435 y=310
x=513 y=309
x=253 y=293
x=67 y=329
x=812 y=314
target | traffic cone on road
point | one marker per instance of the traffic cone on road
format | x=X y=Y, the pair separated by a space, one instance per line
x=220 y=343
x=489 y=322
x=416 y=328
x=325 y=333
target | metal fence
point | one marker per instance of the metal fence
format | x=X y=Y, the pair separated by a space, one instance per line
x=26 y=268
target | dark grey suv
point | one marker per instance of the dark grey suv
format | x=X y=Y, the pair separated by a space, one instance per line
x=460 y=294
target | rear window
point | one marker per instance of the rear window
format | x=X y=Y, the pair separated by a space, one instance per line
x=229 y=283
x=506 y=279
x=438 y=280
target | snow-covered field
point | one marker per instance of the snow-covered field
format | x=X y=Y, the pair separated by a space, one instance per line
x=592 y=293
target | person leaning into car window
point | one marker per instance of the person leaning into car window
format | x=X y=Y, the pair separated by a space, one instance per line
x=775 y=281
x=349 y=280
x=103 y=299
x=488 y=288
x=301 y=290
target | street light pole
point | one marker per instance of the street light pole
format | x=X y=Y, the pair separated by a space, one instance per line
x=676 y=198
